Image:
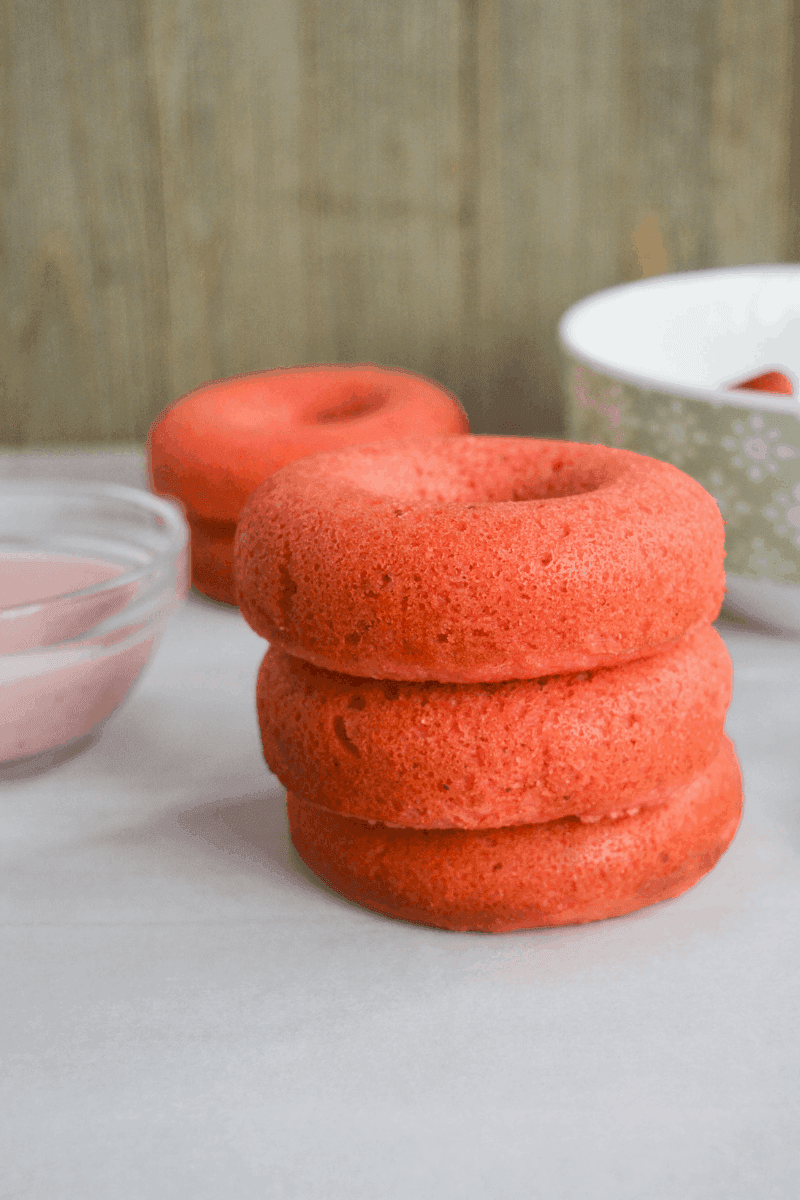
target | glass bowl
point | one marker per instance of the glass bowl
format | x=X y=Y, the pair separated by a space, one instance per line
x=89 y=576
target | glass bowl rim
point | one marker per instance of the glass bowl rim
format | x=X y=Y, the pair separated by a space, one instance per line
x=174 y=522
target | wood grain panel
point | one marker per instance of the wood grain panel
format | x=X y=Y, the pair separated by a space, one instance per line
x=228 y=84
x=552 y=180
x=84 y=290
x=192 y=190
x=612 y=126
x=311 y=177
x=750 y=137
x=384 y=177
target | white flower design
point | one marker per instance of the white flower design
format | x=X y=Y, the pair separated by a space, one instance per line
x=786 y=522
x=728 y=496
x=748 y=460
x=760 y=450
x=676 y=433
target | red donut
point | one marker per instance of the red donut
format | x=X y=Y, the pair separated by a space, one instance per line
x=481 y=756
x=477 y=559
x=560 y=873
x=212 y=558
x=214 y=446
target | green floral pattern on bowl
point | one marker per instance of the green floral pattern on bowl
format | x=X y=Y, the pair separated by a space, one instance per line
x=748 y=459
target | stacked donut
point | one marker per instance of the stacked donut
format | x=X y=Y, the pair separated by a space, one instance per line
x=493 y=690
x=213 y=447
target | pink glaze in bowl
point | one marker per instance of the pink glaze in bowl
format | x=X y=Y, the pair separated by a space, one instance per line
x=89 y=576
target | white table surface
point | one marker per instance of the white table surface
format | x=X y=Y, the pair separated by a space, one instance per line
x=188 y=1012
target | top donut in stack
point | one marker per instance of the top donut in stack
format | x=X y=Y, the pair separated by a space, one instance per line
x=493 y=638
x=213 y=447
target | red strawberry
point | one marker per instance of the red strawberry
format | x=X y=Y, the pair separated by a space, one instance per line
x=770 y=381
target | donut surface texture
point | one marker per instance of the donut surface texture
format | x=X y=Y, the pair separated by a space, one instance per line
x=477 y=559
x=561 y=873
x=471 y=756
x=214 y=446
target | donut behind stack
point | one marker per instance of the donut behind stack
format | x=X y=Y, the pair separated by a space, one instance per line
x=493 y=649
x=212 y=447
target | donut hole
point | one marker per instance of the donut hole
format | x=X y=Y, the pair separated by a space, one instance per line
x=471 y=473
x=553 y=488
x=351 y=408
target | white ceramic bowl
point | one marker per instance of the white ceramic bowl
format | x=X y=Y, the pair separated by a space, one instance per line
x=89 y=575
x=648 y=367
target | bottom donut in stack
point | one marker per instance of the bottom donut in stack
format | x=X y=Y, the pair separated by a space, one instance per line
x=494 y=807
x=563 y=872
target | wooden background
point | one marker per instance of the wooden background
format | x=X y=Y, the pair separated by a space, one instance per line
x=192 y=189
